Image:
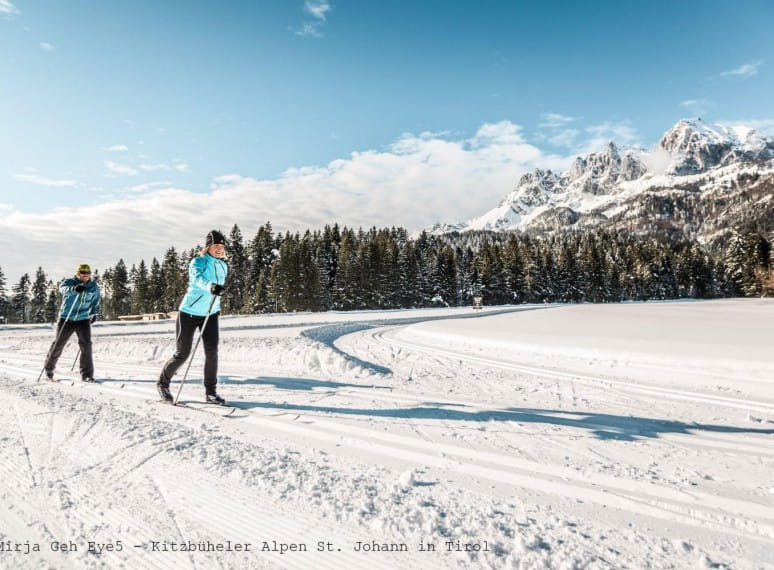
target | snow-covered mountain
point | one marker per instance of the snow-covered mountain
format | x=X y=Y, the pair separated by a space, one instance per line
x=700 y=178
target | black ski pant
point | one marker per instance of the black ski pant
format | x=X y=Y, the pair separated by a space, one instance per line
x=185 y=327
x=65 y=330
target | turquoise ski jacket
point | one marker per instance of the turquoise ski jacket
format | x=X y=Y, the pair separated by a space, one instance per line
x=79 y=306
x=203 y=271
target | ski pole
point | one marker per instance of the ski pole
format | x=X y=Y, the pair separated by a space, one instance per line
x=58 y=334
x=193 y=352
x=75 y=360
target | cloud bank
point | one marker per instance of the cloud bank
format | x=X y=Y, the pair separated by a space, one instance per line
x=414 y=182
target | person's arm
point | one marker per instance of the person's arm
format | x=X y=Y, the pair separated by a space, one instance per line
x=96 y=304
x=196 y=274
x=65 y=287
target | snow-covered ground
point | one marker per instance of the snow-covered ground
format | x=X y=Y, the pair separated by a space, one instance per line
x=584 y=436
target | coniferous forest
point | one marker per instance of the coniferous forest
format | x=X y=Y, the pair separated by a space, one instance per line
x=347 y=269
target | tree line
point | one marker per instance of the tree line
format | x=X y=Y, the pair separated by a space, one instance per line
x=347 y=269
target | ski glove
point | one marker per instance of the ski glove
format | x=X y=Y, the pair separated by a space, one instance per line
x=80 y=288
x=92 y=318
x=216 y=289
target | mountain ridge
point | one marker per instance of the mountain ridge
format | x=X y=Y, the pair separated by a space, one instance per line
x=702 y=176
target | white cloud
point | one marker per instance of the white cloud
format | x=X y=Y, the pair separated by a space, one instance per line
x=179 y=166
x=154 y=167
x=414 y=182
x=117 y=148
x=318 y=9
x=555 y=120
x=743 y=71
x=45 y=46
x=556 y=131
x=310 y=29
x=120 y=168
x=763 y=126
x=43 y=181
x=623 y=134
x=696 y=106
x=564 y=138
x=6 y=7
x=148 y=186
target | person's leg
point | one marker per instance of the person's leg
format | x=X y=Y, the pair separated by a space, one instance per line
x=210 y=338
x=184 y=327
x=64 y=332
x=83 y=330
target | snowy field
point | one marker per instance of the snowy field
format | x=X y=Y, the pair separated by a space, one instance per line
x=583 y=436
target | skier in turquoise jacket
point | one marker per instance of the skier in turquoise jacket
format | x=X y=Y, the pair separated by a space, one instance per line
x=81 y=300
x=206 y=276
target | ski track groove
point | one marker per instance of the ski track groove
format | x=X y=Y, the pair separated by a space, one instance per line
x=64 y=525
x=158 y=485
x=207 y=516
x=254 y=526
x=382 y=336
x=26 y=443
x=536 y=476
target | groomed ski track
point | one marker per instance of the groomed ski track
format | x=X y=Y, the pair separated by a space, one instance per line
x=349 y=433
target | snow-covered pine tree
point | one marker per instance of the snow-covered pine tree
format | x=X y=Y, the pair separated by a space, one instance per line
x=235 y=293
x=53 y=302
x=39 y=293
x=3 y=298
x=156 y=286
x=120 y=301
x=138 y=278
x=175 y=280
x=19 y=309
x=259 y=256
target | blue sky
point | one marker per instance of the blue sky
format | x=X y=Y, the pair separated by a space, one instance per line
x=144 y=124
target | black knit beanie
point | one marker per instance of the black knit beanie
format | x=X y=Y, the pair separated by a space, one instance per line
x=214 y=237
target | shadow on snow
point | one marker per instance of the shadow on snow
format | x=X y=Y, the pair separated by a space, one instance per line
x=602 y=426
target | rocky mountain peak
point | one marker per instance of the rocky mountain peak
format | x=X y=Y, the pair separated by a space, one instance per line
x=533 y=188
x=696 y=146
x=598 y=172
x=614 y=186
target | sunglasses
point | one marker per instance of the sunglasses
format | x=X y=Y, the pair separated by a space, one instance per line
x=84 y=273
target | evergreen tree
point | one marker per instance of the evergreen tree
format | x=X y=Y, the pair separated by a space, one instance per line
x=410 y=272
x=285 y=289
x=4 y=303
x=53 y=303
x=175 y=280
x=235 y=295
x=446 y=276
x=156 y=288
x=120 y=301
x=513 y=267
x=140 y=286
x=259 y=258
x=39 y=297
x=20 y=301
x=492 y=275
x=345 y=292
x=327 y=257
